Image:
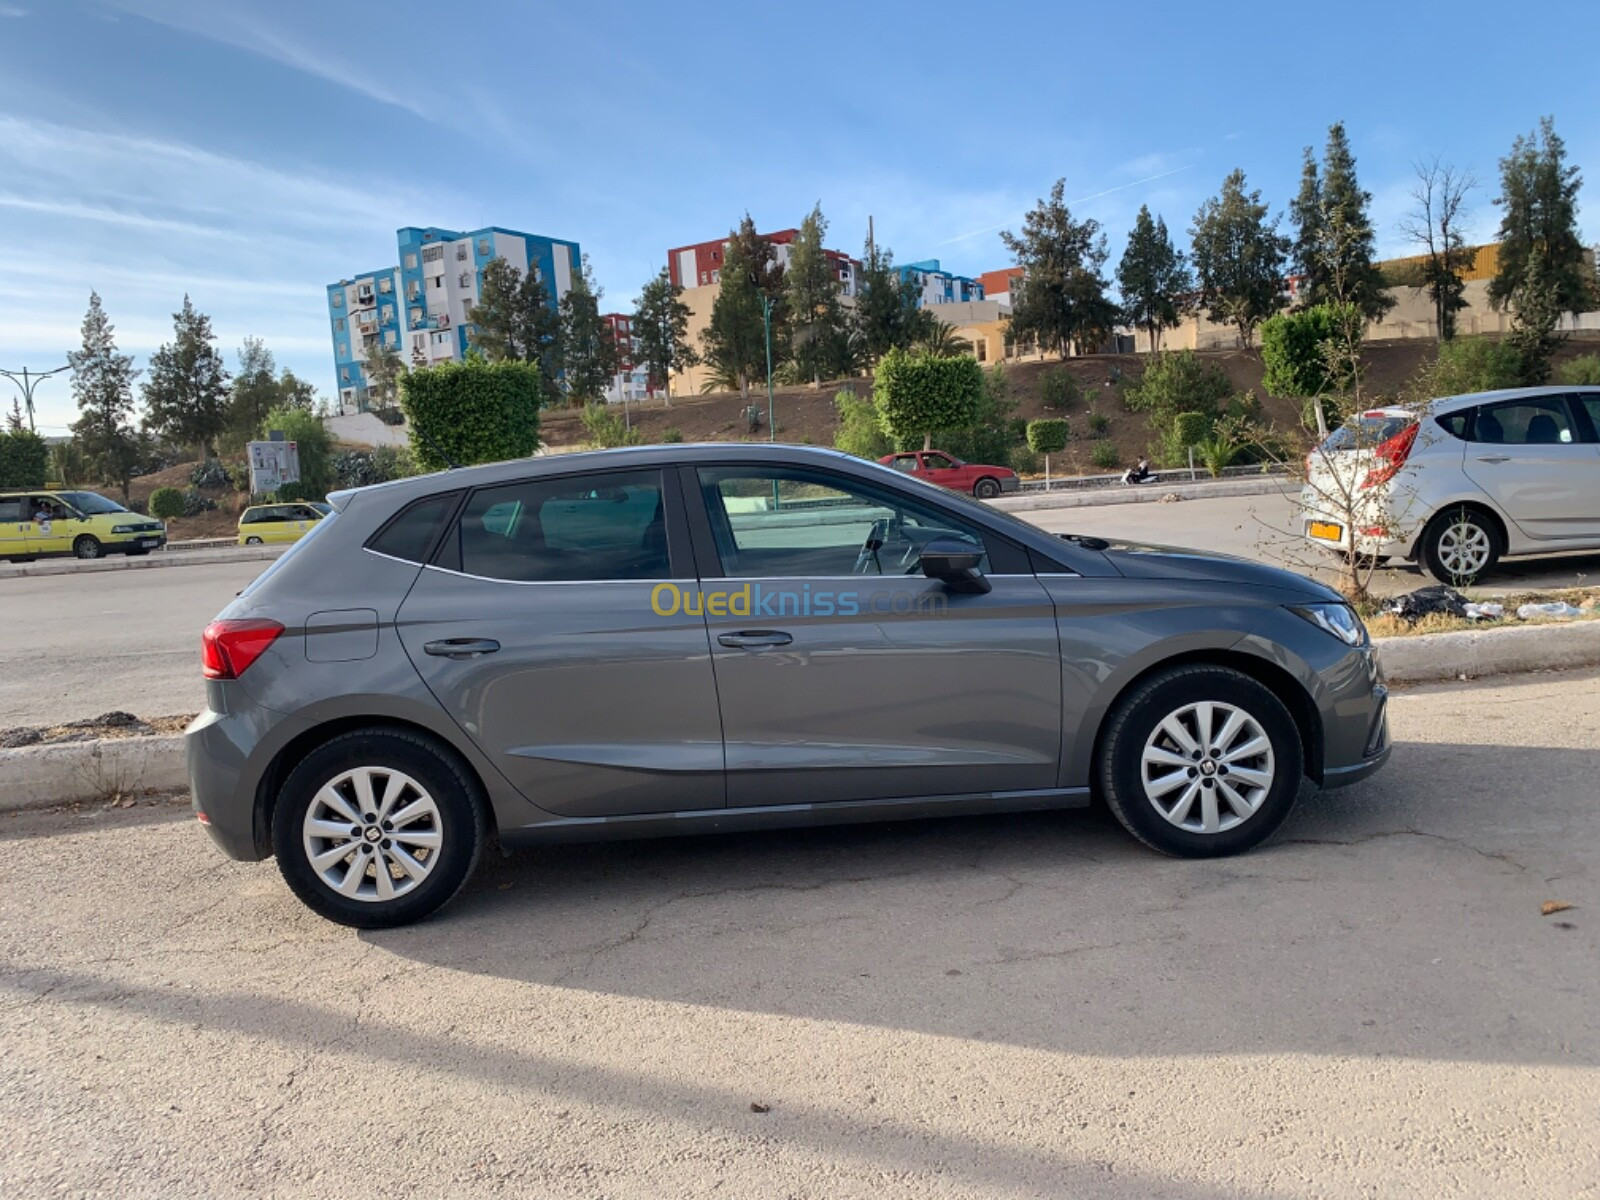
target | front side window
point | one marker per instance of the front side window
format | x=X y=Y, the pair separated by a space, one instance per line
x=937 y=462
x=589 y=527
x=780 y=523
x=1541 y=421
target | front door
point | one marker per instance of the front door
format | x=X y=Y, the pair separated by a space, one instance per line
x=943 y=470
x=542 y=630
x=49 y=531
x=843 y=672
x=1532 y=458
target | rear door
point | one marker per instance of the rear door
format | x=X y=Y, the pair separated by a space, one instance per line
x=13 y=527
x=543 y=628
x=843 y=672
x=1533 y=457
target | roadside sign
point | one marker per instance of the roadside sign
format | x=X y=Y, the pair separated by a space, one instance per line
x=273 y=464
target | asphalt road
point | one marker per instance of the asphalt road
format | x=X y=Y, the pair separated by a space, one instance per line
x=74 y=646
x=1370 y=1005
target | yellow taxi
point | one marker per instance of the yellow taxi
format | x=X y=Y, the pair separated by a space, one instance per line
x=265 y=524
x=47 y=523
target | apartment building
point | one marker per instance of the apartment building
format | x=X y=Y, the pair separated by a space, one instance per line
x=632 y=381
x=932 y=285
x=419 y=308
x=700 y=265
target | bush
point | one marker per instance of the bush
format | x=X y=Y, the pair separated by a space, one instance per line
x=1057 y=388
x=607 y=428
x=363 y=468
x=239 y=477
x=671 y=435
x=917 y=394
x=1105 y=456
x=995 y=432
x=472 y=411
x=313 y=444
x=1099 y=425
x=1473 y=364
x=209 y=474
x=1293 y=350
x=194 y=503
x=1024 y=461
x=860 y=429
x=288 y=493
x=1579 y=372
x=166 y=503
x=1048 y=436
x=24 y=459
x=1178 y=381
x=1187 y=429
x=1217 y=452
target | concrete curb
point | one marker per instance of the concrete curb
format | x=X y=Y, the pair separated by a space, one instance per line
x=1144 y=493
x=43 y=776
x=1433 y=656
x=121 y=562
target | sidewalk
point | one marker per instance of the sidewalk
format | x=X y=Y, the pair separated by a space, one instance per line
x=149 y=562
x=1146 y=493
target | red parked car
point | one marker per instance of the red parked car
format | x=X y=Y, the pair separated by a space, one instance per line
x=948 y=471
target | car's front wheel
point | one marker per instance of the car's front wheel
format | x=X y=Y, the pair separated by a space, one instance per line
x=87 y=547
x=1201 y=761
x=377 y=828
x=986 y=488
x=1460 y=547
x=252 y=541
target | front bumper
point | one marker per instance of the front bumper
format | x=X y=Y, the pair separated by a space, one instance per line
x=138 y=543
x=1013 y=484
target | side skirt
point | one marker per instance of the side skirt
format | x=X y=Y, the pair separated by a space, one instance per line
x=789 y=816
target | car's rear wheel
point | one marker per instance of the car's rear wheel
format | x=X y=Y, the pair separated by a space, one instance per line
x=87 y=547
x=377 y=828
x=252 y=541
x=1201 y=761
x=986 y=488
x=1460 y=547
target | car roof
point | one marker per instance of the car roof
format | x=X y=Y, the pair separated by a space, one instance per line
x=1468 y=399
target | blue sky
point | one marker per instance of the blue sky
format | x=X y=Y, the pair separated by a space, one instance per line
x=251 y=151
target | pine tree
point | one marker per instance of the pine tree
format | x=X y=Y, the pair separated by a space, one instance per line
x=384 y=368
x=588 y=347
x=1238 y=258
x=186 y=389
x=1305 y=213
x=255 y=393
x=661 y=323
x=811 y=293
x=1333 y=248
x=102 y=384
x=886 y=309
x=1540 y=251
x=1062 y=303
x=1153 y=278
x=516 y=319
x=735 y=340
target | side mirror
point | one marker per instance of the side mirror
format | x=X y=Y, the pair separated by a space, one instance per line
x=955 y=564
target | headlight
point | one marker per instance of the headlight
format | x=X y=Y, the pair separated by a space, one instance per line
x=122 y=529
x=1337 y=619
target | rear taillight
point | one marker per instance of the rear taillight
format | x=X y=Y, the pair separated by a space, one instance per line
x=227 y=648
x=1391 y=455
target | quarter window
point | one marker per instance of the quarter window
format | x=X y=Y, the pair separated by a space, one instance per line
x=786 y=523
x=1540 y=421
x=590 y=527
x=410 y=535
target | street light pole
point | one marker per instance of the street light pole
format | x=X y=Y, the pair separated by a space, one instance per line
x=28 y=380
x=766 y=324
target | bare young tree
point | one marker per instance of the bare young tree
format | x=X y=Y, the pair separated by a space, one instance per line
x=1435 y=224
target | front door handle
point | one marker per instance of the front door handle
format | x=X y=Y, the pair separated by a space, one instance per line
x=1494 y=458
x=753 y=639
x=461 y=648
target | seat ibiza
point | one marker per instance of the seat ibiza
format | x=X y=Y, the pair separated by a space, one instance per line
x=683 y=639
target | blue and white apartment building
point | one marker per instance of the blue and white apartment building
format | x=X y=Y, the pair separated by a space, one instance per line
x=419 y=308
x=931 y=285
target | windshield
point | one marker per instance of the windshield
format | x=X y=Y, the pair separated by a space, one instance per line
x=1365 y=432
x=91 y=503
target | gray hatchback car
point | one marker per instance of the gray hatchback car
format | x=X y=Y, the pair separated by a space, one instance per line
x=685 y=639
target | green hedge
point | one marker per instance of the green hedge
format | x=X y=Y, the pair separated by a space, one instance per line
x=24 y=459
x=472 y=412
x=1048 y=436
x=917 y=394
x=1292 y=356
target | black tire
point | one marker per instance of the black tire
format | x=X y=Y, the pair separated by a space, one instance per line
x=461 y=823
x=252 y=541
x=87 y=547
x=986 y=488
x=1136 y=718
x=1445 y=538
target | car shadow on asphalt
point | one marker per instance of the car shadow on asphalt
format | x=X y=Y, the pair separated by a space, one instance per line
x=1383 y=919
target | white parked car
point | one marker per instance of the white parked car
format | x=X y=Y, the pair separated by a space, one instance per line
x=1463 y=482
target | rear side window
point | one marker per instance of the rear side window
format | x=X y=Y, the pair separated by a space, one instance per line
x=1363 y=433
x=10 y=510
x=410 y=534
x=590 y=527
x=1540 y=421
x=1456 y=424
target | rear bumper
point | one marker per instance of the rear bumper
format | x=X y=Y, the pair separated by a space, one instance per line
x=1395 y=540
x=229 y=749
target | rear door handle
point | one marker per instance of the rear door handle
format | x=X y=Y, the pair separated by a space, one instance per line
x=753 y=639
x=1494 y=458
x=460 y=648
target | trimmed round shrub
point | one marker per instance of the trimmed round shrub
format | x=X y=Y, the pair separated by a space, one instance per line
x=1048 y=435
x=166 y=503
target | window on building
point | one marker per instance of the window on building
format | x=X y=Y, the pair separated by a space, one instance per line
x=413 y=290
x=338 y=299
x=411 y=262
x=437 y=281
x=704 y=278
x=344 y=374
x=483 y=247
x=391 y=338
x=466 y=279
x=461 y=252
x=344 y=350
x=387 y=312
x=386 y=285
x=716 y=277
x=338 y=324
x=432 y=253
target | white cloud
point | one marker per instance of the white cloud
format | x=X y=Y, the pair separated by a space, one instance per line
x=12 y=10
